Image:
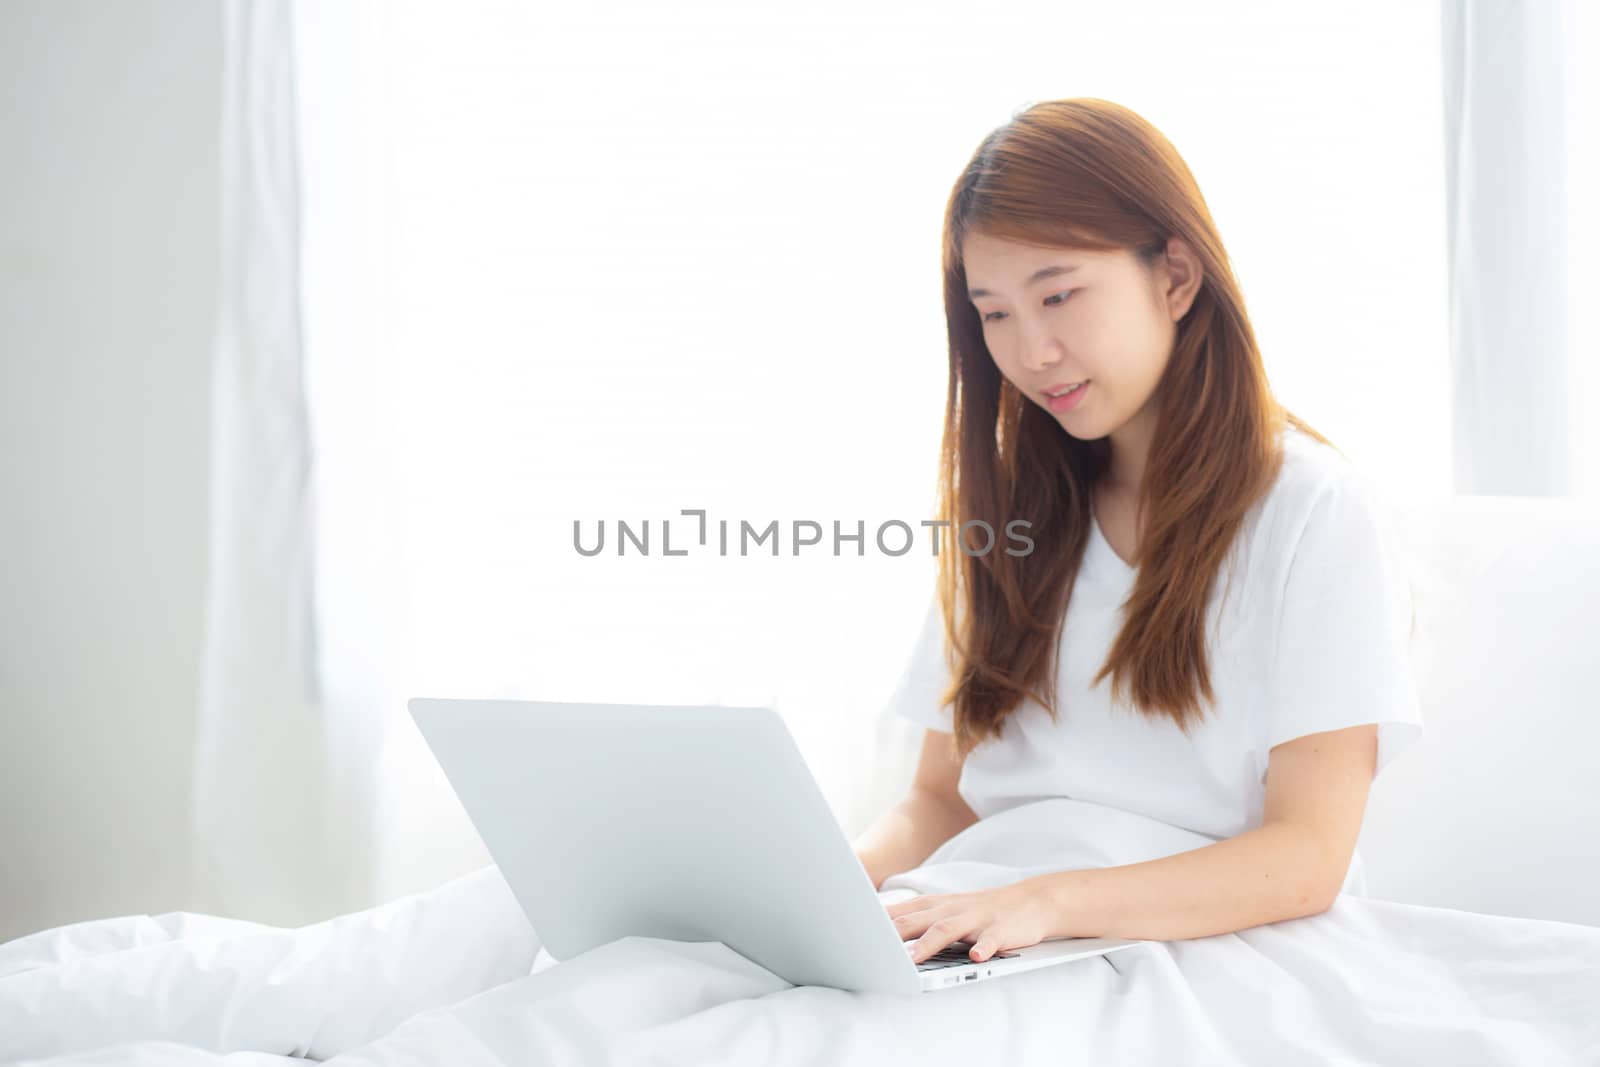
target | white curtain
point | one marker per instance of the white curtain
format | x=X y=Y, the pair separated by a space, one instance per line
x=277 y=836
x=567 y=264
x=1521 y=119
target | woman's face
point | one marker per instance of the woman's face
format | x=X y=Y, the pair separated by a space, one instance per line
x=1105 y=320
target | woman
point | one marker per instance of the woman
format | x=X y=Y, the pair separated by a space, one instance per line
x=1106 y=387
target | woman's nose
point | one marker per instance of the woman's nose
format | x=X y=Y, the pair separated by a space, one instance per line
x=1040 y=358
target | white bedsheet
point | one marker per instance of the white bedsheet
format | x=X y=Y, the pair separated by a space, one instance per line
x=457 y=976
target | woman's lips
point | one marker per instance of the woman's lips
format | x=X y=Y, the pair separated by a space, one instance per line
x=1069 y=401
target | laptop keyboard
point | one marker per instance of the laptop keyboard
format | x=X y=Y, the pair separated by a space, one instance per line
x=954 y=955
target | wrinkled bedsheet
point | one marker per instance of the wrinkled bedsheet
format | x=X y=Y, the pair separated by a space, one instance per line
x=458 y=976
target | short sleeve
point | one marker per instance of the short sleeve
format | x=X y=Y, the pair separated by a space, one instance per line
x=1343 y=641
x=926 y=674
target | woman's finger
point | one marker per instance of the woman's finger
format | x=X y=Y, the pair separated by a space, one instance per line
x=984 y=947
x=941 y=934
x=905 y=907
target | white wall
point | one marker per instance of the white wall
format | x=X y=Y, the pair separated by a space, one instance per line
x=108 y=156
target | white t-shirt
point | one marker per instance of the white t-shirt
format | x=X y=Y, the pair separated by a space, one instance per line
x=1312 y=636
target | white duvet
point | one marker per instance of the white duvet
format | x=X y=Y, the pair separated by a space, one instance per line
x=457 y=976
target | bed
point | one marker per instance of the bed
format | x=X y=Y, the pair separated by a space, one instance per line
x=1472 y=935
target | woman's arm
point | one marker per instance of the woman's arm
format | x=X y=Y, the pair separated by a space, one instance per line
x=907 y=834
x=1260 y=876
x=1292 y=866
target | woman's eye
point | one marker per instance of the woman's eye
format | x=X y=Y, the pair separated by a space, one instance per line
x=1047 y=300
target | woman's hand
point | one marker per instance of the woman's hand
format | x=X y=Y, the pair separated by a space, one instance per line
x=994 y=920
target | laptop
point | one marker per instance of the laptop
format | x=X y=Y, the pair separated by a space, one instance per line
x=687 y=824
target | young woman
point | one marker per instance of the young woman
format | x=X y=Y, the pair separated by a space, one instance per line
x=1208 y=630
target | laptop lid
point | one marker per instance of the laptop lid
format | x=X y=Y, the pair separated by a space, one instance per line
x=677 y=822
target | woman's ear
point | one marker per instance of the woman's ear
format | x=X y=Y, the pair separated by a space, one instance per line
x=1183 y=275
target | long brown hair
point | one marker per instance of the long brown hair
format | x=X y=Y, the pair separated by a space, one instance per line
x=1090 y=174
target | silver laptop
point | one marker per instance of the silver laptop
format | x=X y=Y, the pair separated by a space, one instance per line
x=688 y=824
